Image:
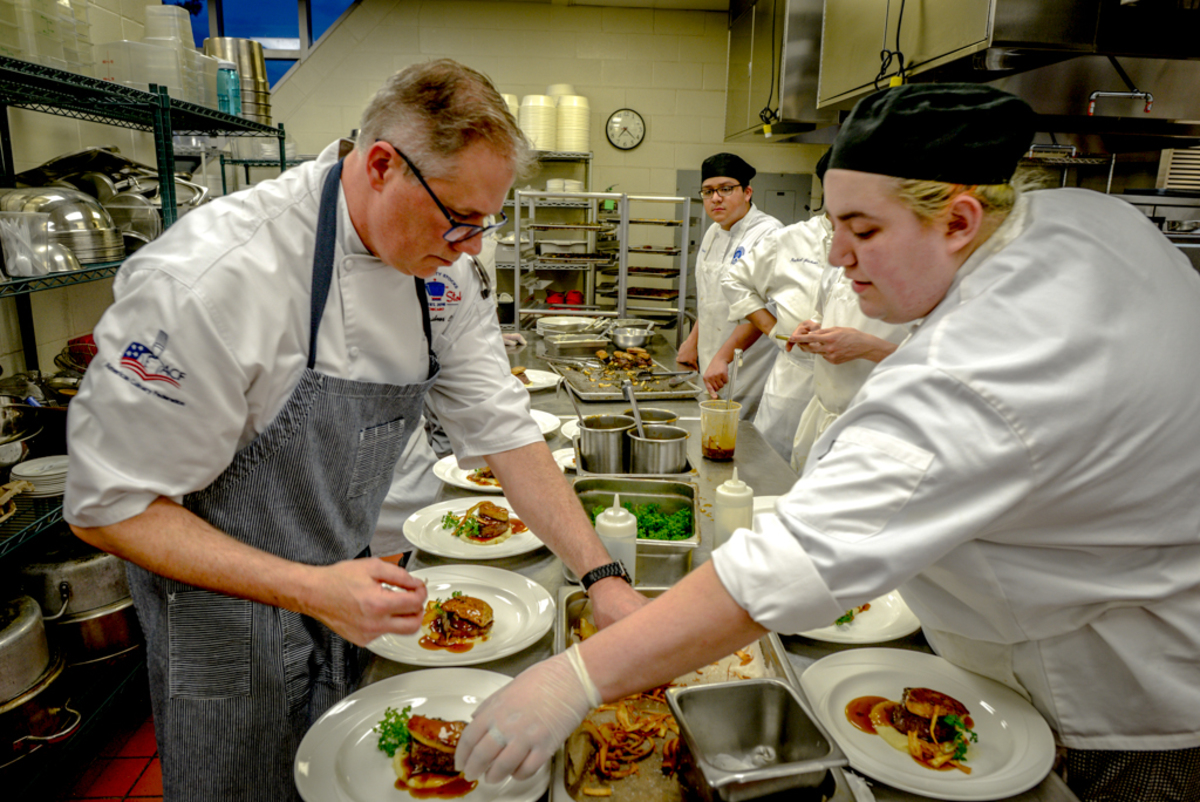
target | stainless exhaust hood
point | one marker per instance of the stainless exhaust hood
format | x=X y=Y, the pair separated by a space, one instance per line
x=1126 y=61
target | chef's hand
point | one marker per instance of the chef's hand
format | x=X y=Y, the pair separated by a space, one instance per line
x=716 y=376
x=351 y=598
x=612 y=599
x=512 y=339
x=800 y=337
x=516 y=730
x=840 y=344
x=688 y=356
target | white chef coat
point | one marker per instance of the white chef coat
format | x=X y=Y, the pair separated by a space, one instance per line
x=719 y=250
x=1024 y=469
x=209 y=331
x=835 y=385
x=781 y=273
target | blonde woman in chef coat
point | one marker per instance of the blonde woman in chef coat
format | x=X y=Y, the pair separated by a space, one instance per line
x=846 y=346
x=1035 y=503
x=737 y=226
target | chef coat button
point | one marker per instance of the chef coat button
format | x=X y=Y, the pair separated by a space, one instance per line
x=354 y=352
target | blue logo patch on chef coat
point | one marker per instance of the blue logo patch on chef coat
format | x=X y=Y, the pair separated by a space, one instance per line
x=738 y=254
x=444 y=294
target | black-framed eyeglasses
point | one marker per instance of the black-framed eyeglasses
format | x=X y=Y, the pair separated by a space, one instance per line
x=458 y=232
x=724 y=191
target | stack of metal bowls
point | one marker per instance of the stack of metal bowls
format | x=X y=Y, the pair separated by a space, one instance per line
x=77 y=221
x=252 y=71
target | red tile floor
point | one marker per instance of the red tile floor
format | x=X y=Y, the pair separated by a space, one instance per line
x=126 y=767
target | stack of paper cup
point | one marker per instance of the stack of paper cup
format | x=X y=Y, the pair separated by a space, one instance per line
x=574 y=116
x=512 y=103
x=539 y=120
x=558 y=90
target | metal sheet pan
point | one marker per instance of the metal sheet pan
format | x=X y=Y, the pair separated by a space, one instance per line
x=588 y=388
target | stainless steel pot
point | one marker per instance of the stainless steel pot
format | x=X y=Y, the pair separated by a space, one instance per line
x=654 y=415
x=97 y=635
x=39 y=716
x=602 y=445
x=662 y=450
x=69 y=578
x=24 y=649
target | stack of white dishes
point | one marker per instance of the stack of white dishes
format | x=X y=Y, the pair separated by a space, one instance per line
x=48 y=475
x=574 y=117
x=513 y=104
x=572 y=185
x=556 y=185
x=538 y=119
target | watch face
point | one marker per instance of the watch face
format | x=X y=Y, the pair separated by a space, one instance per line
x=626 y=129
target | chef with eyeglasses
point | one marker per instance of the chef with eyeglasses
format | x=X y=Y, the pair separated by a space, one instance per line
x=259 y=374
x=737 y=226
x=1022 y=468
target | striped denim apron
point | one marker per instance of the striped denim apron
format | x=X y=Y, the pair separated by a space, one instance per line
x=236 y=684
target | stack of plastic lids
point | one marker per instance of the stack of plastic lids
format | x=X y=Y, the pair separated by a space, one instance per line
x=80 y=51
x=513 y=104
x=48 y=475
x=538 y=119
x=169 y=31
x=574 y=117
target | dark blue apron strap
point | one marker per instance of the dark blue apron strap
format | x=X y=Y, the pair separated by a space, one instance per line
x=323 y=254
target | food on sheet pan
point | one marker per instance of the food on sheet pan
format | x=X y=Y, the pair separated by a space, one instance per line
x=931 y=726
x=486 y=524
x=456 y=624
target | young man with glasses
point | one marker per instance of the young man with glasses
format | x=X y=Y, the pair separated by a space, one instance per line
x=259 y=373
x=737 y=226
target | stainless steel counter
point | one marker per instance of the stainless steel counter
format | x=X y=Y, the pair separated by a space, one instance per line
x=758 y=465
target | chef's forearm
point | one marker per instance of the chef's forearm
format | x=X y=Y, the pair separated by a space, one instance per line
x=173 y=542
x=763 y=320
x=544 y=500
x=693 y=624
x=744 y=336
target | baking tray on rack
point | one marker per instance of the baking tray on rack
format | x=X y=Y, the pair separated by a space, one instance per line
x=596 y=384
x=563 y=258
x=645 y=272
x=645 y=293
x=645 y=221
x=568 y=227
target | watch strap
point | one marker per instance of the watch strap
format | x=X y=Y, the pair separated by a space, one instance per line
x=614 y=568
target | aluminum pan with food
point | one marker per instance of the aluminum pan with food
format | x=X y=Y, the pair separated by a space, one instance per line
x=770 y=661
x=608 y=388
x=671 y=495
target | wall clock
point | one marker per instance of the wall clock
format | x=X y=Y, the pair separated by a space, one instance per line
x=626 y=129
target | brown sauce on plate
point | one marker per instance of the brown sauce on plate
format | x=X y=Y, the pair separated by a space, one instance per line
x=457 y=648
x=858 y=713
x=454 y=789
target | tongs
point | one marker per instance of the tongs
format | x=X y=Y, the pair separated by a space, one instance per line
x=574 y=361
x=646 y=375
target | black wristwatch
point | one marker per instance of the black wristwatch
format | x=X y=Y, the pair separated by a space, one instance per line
x=615 y=568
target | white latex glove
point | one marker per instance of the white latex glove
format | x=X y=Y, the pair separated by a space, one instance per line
x=512 y=339
x=516 y=729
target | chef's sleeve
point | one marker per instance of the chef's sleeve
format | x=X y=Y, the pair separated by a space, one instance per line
x=918 y=465
x=162 y=405
x=746 y=284
x=481 y=405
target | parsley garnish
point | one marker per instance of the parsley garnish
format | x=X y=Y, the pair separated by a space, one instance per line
x=962 y=734
x=653 y=523
x=393 y=730
x=846 y=619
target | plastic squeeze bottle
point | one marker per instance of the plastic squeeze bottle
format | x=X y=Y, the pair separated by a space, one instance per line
x=734 y=508
x=617 y=528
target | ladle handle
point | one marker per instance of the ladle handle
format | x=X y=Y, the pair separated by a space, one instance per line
x=627 y=387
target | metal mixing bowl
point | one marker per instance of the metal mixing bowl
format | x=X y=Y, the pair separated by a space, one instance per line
x=625 y=338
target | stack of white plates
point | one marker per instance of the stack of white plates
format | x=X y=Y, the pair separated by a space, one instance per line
x=556 y=185
x=574 y=117
x=538 y=118
x=48 y=475
x=512 y=103
x=572 y=185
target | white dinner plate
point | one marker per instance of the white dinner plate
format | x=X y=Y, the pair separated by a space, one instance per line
x=547 y=422
x=541 y=380
x=887 y=619
x=523 y=612
x=339 y=760
x=565 y=457
x=1015 y=749
x=570 y=428
x=424 y=530
x=43 y=468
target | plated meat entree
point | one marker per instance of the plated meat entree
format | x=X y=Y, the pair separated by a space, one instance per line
x=457 y=623
x=931 y=726
x=485 y=523
x=483 y=477
x=422 y=752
